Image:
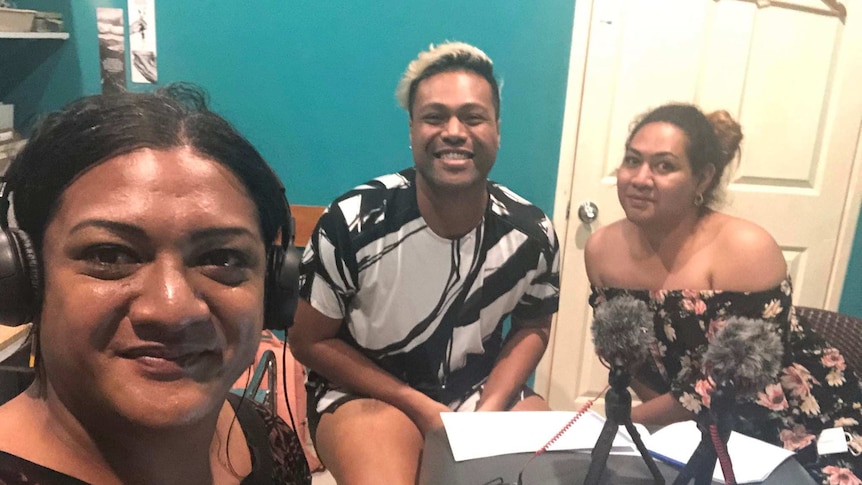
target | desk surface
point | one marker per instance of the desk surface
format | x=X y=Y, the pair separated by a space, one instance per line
x=558 y=467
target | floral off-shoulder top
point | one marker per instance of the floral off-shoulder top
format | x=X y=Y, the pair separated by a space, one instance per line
x=814 y=391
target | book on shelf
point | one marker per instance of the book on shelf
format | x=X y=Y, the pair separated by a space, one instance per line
x=11 y=339
x=10 y=144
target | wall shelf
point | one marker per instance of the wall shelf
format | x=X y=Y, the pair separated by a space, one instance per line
x=34 y=35
x=21 y=54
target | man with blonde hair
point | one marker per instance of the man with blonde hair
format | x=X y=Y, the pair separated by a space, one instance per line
x=408 y=280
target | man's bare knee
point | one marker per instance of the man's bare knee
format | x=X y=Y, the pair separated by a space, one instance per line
x=532 y=403
x=367 y=441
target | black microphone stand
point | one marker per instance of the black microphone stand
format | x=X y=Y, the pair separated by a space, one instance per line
x=702 y=462
x=618 y=408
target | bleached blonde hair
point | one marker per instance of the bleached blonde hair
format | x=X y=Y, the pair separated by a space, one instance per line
x=445 y=57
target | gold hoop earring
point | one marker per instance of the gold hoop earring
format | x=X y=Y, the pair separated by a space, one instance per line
x=698 y=200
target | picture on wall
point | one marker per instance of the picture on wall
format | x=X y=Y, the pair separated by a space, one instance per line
x=112 y=49
x=142 y=41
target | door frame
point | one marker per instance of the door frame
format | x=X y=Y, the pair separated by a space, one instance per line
x=566 y=168
x=564 y=204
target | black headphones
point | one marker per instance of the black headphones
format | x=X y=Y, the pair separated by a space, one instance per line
x=281 y=288
x=20 y=278
x=21 y=273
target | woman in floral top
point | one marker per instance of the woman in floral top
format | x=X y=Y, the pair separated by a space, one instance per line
x=695 y=268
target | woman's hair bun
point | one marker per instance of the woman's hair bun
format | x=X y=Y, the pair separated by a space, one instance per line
x=728 y=132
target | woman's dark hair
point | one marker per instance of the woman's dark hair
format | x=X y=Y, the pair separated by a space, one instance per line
x=712 y=139
x=97 y=128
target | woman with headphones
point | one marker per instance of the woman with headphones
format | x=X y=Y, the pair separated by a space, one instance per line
x=142 y=255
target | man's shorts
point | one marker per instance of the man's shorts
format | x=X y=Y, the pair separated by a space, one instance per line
x=339 y=397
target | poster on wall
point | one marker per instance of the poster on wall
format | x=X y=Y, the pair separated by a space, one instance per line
x=142 y=41
x=112 y=49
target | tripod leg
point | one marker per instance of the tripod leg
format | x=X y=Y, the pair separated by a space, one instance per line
x=658 y=478
x=701 y=462
x=599 y=456
x=704 y=475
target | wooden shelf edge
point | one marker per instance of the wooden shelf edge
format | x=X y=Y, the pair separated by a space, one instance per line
x=34 y=35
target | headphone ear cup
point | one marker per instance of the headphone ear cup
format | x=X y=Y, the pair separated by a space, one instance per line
x=282 y=287
x=20 y=278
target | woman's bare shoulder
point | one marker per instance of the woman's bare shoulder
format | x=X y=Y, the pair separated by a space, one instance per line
x=607 y=239
x=746 y=256
x=604 y=247
x=734 y=234
x=18 y=424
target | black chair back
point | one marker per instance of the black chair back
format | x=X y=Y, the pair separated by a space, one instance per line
x=841 y=331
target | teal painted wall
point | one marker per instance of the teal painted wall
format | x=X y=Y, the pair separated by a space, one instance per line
x=851 y=296
x=311 y=82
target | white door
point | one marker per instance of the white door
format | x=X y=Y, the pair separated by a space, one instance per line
x=790 y=72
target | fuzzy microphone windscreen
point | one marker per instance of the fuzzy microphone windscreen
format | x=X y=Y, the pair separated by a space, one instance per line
x=746 y=353
x=623 y=331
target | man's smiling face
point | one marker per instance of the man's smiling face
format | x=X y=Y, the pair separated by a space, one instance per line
x=454 y=130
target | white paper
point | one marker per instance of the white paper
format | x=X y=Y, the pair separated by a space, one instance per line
x=483 y=434
x=752 y=460
x=832 y=440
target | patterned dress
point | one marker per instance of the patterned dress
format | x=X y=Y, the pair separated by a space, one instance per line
x=814 y=391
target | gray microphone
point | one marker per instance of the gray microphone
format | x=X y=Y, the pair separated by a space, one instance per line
x=746 y=354
x=742 y=359
x=623 y=332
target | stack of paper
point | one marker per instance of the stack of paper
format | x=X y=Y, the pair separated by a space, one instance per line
x=753 y=460
x=478 y=435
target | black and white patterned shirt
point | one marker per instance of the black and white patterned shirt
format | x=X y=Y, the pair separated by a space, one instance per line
x=427 y=309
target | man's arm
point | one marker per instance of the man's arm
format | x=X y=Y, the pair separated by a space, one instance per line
x=313 y=342
x=518 y=359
